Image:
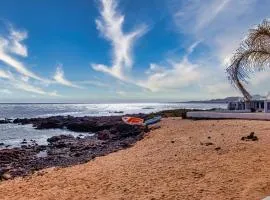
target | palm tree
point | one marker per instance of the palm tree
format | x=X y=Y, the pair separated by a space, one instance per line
x=252 y=55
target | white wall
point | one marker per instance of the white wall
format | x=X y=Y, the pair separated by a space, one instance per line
x=224 y=115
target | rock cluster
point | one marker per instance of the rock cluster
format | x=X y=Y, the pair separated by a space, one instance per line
x=111 y=134
x=5 y=121
x=250 y=137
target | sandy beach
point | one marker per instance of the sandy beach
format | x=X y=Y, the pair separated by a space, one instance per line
x=184 y=159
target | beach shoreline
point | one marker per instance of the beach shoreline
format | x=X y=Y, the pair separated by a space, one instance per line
x=184 y=159
x=98 y=136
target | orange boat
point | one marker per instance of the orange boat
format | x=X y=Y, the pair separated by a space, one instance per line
x=133 y=120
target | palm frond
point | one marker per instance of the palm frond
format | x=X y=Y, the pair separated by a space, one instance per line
x=252 y=55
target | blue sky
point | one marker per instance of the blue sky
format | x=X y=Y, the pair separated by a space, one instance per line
x=123 y=50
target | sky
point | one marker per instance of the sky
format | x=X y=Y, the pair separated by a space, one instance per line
x=90 y=51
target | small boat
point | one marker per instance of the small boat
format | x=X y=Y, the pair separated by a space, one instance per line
x=140 y=121
x=152 y=120
x=133 y=120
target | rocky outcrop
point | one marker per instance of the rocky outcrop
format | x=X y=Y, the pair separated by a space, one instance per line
x=111 y=134
x=5 y=121
x=77 y=124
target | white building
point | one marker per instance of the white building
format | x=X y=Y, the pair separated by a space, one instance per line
x=255 y=105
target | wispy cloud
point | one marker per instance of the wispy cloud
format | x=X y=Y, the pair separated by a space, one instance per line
x=15 y=39
x=4 y=74
x=22 y=84
x=11 y=47
x=31 y=88
x=12 y=44
x=22 y=78
x=203 y=13
x=177 y=75
x=110 y=24
x=217 y=26
x=59 y=77
x=220 y=26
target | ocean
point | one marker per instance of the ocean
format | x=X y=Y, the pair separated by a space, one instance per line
x=13 y=135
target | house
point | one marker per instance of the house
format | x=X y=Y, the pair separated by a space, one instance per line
x=256 y=104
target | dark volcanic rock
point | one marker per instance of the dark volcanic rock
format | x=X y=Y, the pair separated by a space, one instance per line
x=5 y=121
x=250 y=137
x=79 y=126
x=24 y=141
x=111 y=134
x=49 y=125
x=55 y=139
x=23 y=121
x=103 y=135
x=122 y=130
x=7 y=155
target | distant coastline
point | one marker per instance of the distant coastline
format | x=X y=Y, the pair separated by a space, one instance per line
x=217 y=101
x=224 y=100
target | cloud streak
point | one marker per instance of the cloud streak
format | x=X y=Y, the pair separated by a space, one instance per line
x=110 y=25
x=220 y=26
x=217 y=26
x=59 y=77
x=22 y=84
x=5 y=75
x=12 y=44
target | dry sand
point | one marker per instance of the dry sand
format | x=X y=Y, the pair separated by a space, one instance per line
x=169 y=163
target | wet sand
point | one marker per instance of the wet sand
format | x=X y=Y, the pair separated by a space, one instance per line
x=184 y=159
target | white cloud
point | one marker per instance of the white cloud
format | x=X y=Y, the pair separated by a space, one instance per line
x=155 y=68
x=21 y=83
x=25 y=78
x=59 y=77
x=208 y=14
x=31 y=88
x=18 y=66
x=16 y=47
x=220 y=89
x=4 y=74
x=179 y=75
x=12 y=44
x=220 y=25
x=27 y=87
x=110 y=25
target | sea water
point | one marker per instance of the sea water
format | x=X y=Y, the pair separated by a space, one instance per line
x=13 y=134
